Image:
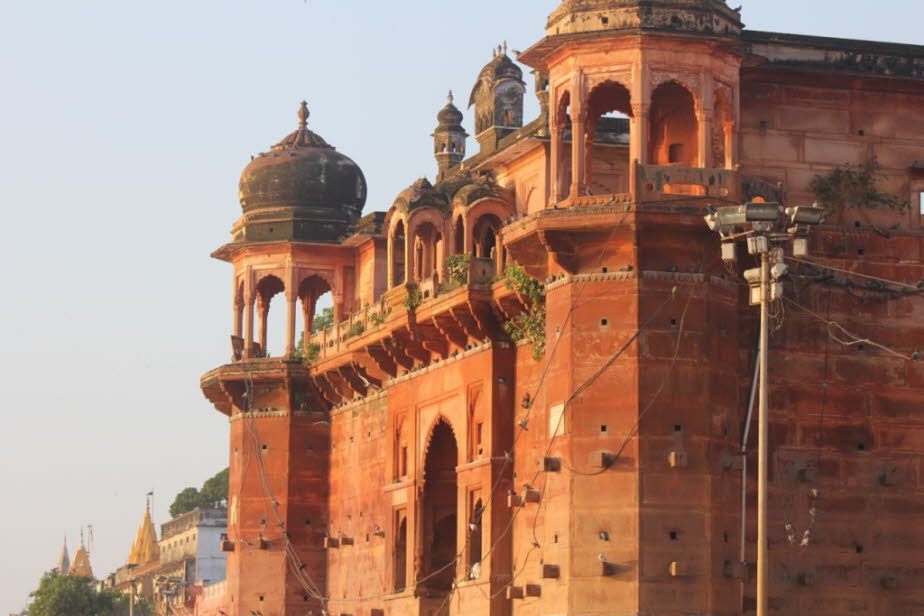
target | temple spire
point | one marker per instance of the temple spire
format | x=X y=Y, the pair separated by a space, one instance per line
x=64 y=560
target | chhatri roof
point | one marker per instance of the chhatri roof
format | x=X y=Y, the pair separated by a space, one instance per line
x=145 y=548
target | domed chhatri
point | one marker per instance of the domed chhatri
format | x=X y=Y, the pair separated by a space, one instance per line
x=708 y=17
x=314 y=192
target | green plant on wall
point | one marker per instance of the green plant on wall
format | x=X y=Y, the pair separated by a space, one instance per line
x=855 y=186
x=355 y=329
x=414 y=297
x=377 y=318
x=457 y=267
x=306 y=356
x=528 y=325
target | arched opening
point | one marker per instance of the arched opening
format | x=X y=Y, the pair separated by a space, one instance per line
x=268 y=287
x=674 y=128
x=609 y=107
x=721 y=131
x=486 y=234
x=459 y=246
x=428 y=244
x=398 y=269
x=475 y=538
x=563 y=164
x=400 y=559
x=317 y=311
x=439 y=511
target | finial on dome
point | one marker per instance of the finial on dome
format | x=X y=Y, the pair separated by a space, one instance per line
x=303 y=114
x=449 y=99
x=505 y=47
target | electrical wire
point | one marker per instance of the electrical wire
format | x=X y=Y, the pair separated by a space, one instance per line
x=918 y=290
x=852 y=339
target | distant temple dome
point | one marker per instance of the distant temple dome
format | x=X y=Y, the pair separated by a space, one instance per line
x=304 y=171
x=302 y=190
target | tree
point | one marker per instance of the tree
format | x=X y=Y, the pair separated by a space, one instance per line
x=214 y=493
x=186 y=500
x=323 y=321
x=71 y=595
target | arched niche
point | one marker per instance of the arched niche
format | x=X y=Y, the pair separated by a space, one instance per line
x=439 y=548
x=607 y=134
x=674 y=129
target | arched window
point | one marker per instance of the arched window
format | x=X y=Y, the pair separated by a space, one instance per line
x=267 y=288
x=476 y=511
x=606 y=168
x=398 y=269
x=563 y=164
x=459 y=247
x=486 y=236
x=427 y=249
x=674 y=128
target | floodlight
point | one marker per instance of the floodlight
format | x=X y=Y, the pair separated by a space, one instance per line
x=761 y=211
x=806 y=215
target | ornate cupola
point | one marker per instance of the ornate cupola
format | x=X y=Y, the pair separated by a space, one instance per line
x=498 y=100
x=710 y=17
x=449 y=138
x=301 y=190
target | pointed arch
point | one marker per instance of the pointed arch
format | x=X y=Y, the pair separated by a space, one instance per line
x=674 y=128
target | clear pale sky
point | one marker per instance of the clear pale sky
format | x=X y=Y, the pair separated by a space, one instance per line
x=124 y=125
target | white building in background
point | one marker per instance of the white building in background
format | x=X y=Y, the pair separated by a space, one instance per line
x=190 y=552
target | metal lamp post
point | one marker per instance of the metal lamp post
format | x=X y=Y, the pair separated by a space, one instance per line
x=767 y=228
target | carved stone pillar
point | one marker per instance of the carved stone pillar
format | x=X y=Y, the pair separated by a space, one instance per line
x=731 y=146
x=263 y=310
x=638 y=144
x=578 y=151
x=291 y=307
x=704 y=120
x=248 y=324
x=558 y=132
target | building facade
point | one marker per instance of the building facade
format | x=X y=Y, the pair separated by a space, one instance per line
x=533 y=396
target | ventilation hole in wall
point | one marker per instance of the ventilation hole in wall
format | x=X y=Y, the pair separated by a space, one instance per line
x=861 y=132
x=860 y=347
x=604 y=20
x=307 y=522
x=309 y=447
x=261 y=597
x=725 y=537
x=271 y=230
x=678 y=428
x=603 y=428
x=860 y=251
x=263 y=522
x=603 y=322
x=673 y=535
x=360 y=514
x=856 y=224
x=367 y=538
x=859 y=549
x=673 y=322
x=861 y=447
x=555 y=539
x=304 y=597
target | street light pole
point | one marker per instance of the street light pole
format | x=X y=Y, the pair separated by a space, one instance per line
x=762 y=438
x=767 y=226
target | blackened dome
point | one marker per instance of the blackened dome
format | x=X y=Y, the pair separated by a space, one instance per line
x=303 y=171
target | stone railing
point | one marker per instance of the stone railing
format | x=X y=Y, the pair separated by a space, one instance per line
x=658 y=182
x=337 y=338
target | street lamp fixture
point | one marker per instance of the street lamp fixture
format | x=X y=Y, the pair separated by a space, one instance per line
x=767 y=227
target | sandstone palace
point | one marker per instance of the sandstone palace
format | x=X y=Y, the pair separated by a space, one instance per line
x=533 y=397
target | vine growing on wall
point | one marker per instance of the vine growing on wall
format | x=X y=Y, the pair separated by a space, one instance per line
x=855 y=186
x=528 y=325
x=309 y=355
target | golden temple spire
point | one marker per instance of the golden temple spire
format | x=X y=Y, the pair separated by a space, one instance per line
x=145 y=548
